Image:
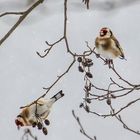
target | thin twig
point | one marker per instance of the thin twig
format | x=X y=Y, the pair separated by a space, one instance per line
x=11 y=13
x=27 y=133
x=81 y=127
x=21 y=18
x=54 y=83
x=125 y=126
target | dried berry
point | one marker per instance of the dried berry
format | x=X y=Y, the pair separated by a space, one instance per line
x=39 y=125
x=34 y=124
x=45 y=131
x=88 y=74
x=79 y=59
x=80 y=69
x=108 y=101
x=47 y=122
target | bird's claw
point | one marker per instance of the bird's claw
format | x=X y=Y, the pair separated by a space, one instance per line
x=109 y=62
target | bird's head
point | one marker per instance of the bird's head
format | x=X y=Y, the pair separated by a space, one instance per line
x=105 y=33
x=19 y=121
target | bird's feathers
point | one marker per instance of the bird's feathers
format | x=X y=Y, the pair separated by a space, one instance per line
x=41 y=108
x=108 y=46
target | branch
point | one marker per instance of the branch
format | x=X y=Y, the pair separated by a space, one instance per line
x=109 y=95
x=47 y=51
x=54 y=83
x=125 y=126
x=11 y=13
x=81 y=127
x=27 y=134
x=21 y=18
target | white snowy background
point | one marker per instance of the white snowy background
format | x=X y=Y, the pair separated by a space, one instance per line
x=23 y=73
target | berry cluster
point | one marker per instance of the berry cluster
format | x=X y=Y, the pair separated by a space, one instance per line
x=40 y=125
x=84 y=66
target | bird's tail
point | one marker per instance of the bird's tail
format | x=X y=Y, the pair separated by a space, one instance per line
x=122 y=54
x=57 y=96
x=123 y=57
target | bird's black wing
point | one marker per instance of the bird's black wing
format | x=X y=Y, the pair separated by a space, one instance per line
x=119 y=47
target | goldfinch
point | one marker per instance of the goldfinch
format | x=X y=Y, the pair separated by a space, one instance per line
x=37 y=112
x=108 y=46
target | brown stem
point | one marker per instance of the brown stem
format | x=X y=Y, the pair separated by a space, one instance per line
x=21 y=18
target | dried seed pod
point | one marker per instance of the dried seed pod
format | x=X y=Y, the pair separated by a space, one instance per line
x=88 y=74
x=88 y=100
x=108 y=101
x=86 y=88
x=79 y=59
x=90 y=64
x=88 y=60
x=45 y=131
x=87 y=108
x=81 y=105
x=89 y=87
x=47 y=122
x=80 y=69
x=34 y=124
x=39 y=125
x=85 y=64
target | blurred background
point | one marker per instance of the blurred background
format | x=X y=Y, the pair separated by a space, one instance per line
x=23 y=74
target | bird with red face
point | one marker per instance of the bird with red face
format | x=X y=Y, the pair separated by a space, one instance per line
x=37 y=112
x=108 y=46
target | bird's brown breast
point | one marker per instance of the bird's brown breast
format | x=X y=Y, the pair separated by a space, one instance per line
x=105 y=43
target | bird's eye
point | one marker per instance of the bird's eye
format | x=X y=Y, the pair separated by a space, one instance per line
x=104 y=31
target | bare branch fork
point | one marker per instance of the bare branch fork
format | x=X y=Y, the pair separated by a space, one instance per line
x=81 y=127
x=125 y=126
x=23 y=15
x=64 y=37
x=27 y=134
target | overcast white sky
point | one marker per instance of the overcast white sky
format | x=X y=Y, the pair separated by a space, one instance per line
x=23 y=73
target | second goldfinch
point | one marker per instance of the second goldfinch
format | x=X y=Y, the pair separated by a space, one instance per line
x=37 y=112
x=108 y=46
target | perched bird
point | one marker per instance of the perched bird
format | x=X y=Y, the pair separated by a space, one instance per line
x=37 y=112
x=108 y=46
